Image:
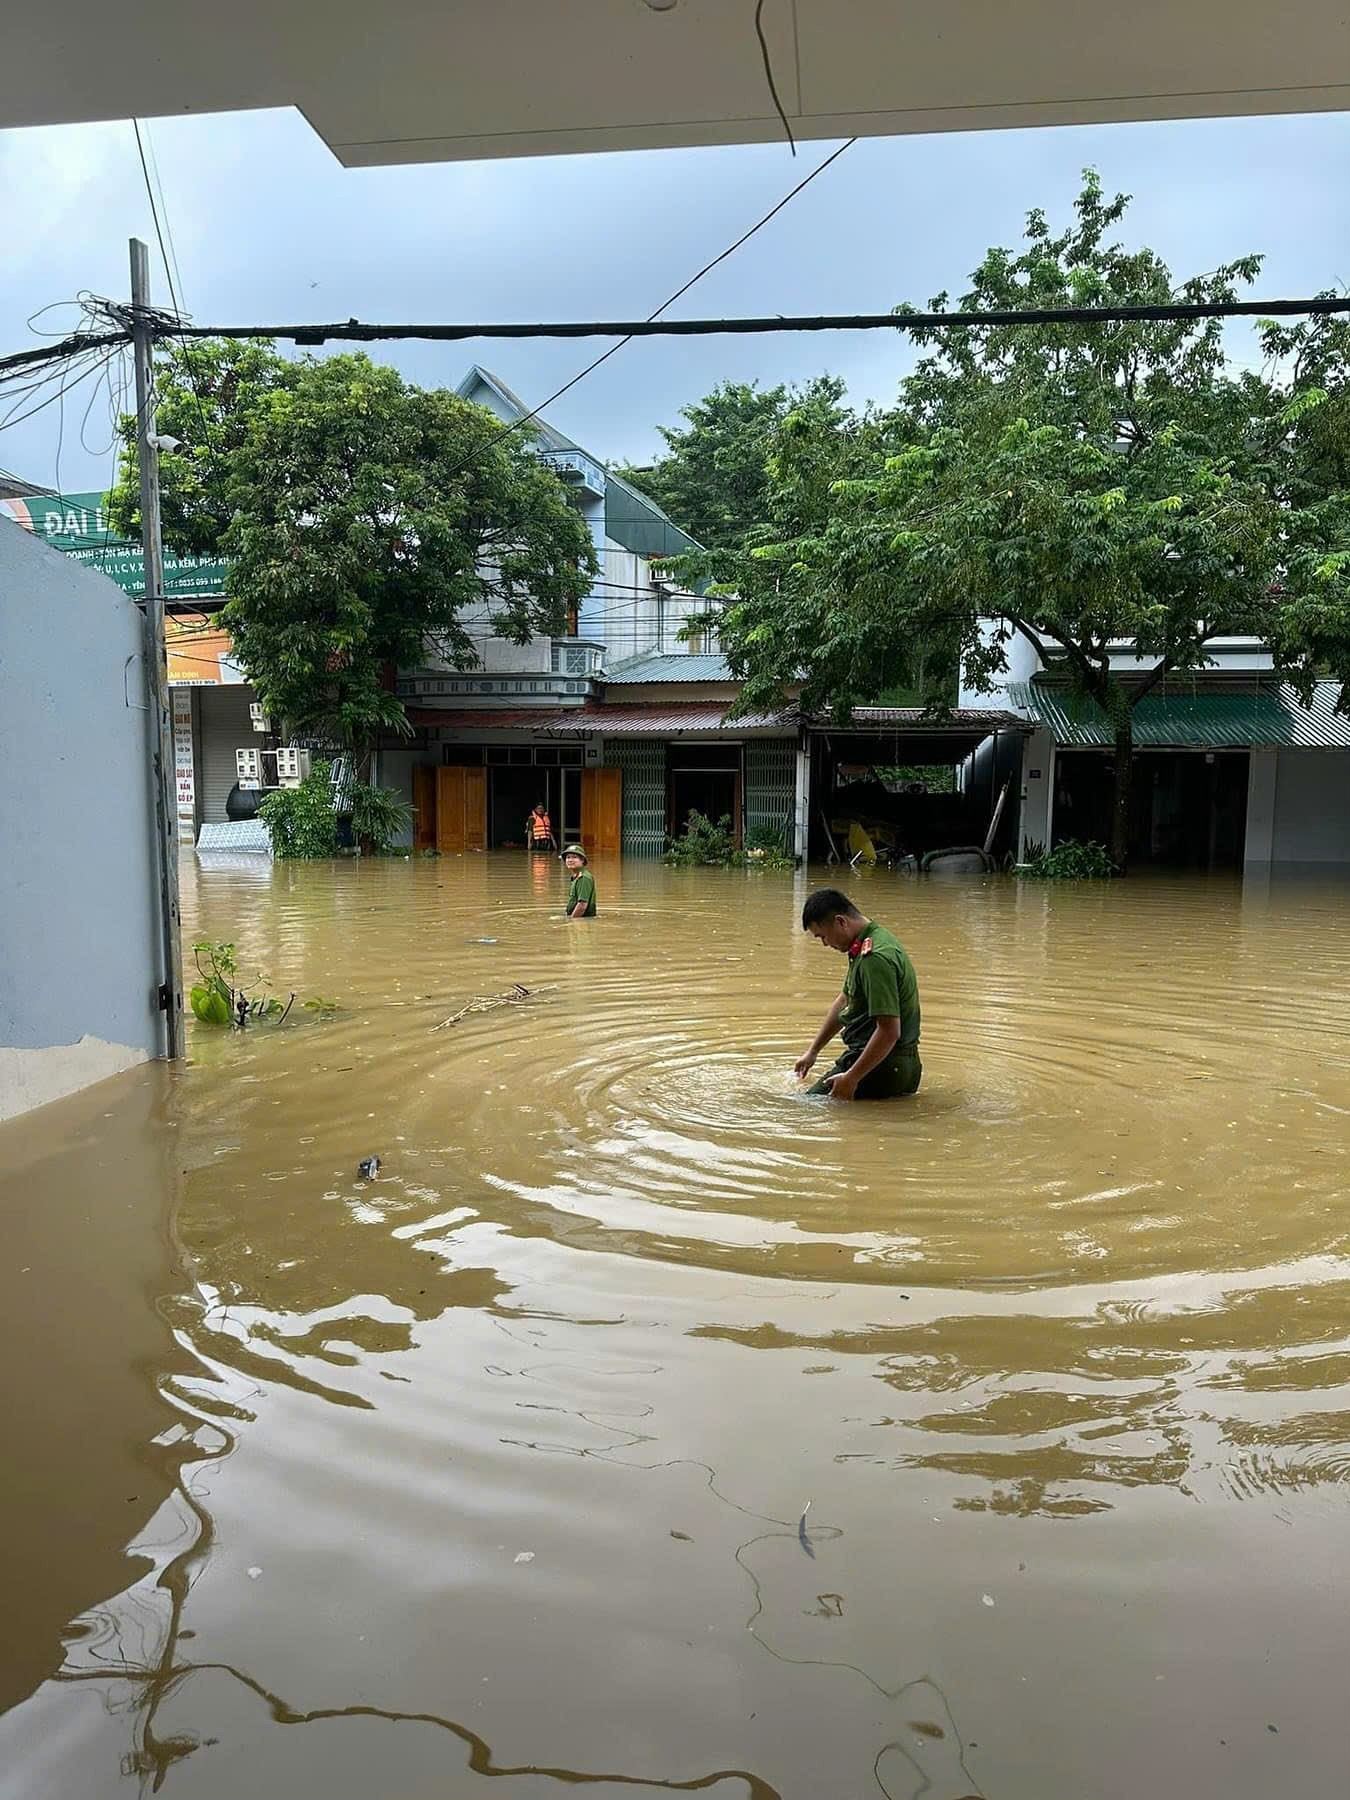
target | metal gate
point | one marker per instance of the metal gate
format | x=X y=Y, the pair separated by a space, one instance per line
x=644 y=793
x=771 y=787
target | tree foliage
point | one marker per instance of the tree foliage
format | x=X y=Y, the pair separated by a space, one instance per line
x=713 y=478
x=363 y=520
x=1089 y=487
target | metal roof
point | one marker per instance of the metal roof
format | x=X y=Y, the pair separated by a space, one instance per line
x=1265 y=715
x=960 y=721
x=658 y=718
x=667 y=719
x=677 y=665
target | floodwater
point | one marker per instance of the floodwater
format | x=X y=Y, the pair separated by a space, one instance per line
x=491 y=1474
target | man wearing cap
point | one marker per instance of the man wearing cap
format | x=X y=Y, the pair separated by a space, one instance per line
x=878 y=1010
x=581 y=894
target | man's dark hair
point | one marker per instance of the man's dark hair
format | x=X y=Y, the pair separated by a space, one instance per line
x=825 y=903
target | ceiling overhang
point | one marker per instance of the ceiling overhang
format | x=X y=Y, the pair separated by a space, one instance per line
x=474 y=79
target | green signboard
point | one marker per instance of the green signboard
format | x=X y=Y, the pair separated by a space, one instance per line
x=77 y=525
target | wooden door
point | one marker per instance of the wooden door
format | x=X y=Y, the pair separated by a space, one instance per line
x=461 y=809
x=424 y=807
x=475 y=809
x=602 y=811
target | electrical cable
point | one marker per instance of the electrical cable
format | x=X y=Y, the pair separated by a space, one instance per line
x=1164 y=312
x=768 y=74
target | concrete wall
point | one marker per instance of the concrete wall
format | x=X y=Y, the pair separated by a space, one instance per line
x=78 y=891
x=1023 y=663
x=1298 y=807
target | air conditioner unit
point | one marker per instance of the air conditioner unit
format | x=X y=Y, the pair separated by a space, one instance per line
x=256 y=715
x=293 y=766
x=248 y=768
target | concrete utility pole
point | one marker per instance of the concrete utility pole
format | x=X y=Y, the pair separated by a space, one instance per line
x=156 y=662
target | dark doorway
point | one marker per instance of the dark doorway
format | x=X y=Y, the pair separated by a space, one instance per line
x=512 y=792
x=704 y=778
x=1188 y=809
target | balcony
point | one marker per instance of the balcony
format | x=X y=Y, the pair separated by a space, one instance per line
x=560 y=672
x=576 y=470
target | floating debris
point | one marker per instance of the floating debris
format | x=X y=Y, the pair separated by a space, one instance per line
x=368 y=1168
x=802 y=1538
x=525 y=1556
x=485 y=1003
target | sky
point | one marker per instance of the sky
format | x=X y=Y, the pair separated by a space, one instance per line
x=267 y=228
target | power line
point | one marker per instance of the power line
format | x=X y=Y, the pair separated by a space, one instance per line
x=355 y=331
x=74 y=345
x=527 y=418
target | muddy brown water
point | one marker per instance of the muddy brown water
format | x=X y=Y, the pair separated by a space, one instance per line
x=491 y=1474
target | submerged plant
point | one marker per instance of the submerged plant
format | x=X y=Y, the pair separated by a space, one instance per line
x=1070 y=861
x=704 y=843
x=220 y=998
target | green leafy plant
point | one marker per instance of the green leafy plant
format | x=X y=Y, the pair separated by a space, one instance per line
x=1070 y=861
x=302 y=821
x=766 y=847
x=219 y=997
x=379 y=815
x=704 y=843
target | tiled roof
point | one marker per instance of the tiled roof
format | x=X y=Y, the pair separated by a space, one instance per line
x=1267 y=715
x=674 y=665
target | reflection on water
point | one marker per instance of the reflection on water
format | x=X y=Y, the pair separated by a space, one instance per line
x=645 y=1425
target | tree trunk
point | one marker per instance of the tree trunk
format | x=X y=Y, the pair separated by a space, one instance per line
x=1123 y=777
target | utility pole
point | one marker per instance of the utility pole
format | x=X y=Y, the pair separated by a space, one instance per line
x=156 y=662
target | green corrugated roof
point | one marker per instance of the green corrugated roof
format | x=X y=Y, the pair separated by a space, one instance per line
x=1265 y=716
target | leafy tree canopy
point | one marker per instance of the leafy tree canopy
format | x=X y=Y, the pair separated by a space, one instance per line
x=364 y=521
x=1090 y=487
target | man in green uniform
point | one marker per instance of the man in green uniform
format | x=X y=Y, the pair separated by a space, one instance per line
x=878 y=1010
x=581 y=894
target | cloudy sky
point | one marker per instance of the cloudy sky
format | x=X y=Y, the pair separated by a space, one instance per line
x=268 y=227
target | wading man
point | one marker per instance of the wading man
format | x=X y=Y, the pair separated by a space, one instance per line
x=581 y=894
x=878 y=1010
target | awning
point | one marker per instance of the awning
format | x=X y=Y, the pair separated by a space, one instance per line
x=1264 y=716
x=666 y=719
x=960 y=721
x=660 y=719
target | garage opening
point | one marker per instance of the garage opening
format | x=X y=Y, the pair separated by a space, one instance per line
x=1188 y=809
x=889 y=796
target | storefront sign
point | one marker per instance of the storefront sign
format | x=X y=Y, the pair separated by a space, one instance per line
x=184 y=768
x=77 y=525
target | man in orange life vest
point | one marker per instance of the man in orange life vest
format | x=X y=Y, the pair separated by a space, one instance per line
x=539 y=829
x=878 y=1011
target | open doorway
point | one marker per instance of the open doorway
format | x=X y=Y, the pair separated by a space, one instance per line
x=1188 y=809
x=704 y=778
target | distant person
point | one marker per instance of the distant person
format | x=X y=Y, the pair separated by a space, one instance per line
x=539 y=829
x=878 y=1010
x=581 y=894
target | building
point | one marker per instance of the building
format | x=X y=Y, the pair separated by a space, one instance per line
x=1231 y=772
x=82 y=968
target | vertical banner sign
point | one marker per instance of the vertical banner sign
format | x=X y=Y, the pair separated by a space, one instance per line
x=184 y=771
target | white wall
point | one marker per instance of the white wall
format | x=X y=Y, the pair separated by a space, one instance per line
x=1038 y=791
x=79 y=964
x=1023 y=663
x=1311 y=807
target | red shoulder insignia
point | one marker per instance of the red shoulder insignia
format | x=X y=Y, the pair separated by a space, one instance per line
x=866 y=949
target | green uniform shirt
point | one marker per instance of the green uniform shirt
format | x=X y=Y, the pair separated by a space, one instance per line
x=582 y=889
x=880 y=983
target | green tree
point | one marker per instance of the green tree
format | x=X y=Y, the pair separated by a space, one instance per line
x=712 y=478
x=363 y=519
x=1109 y=492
